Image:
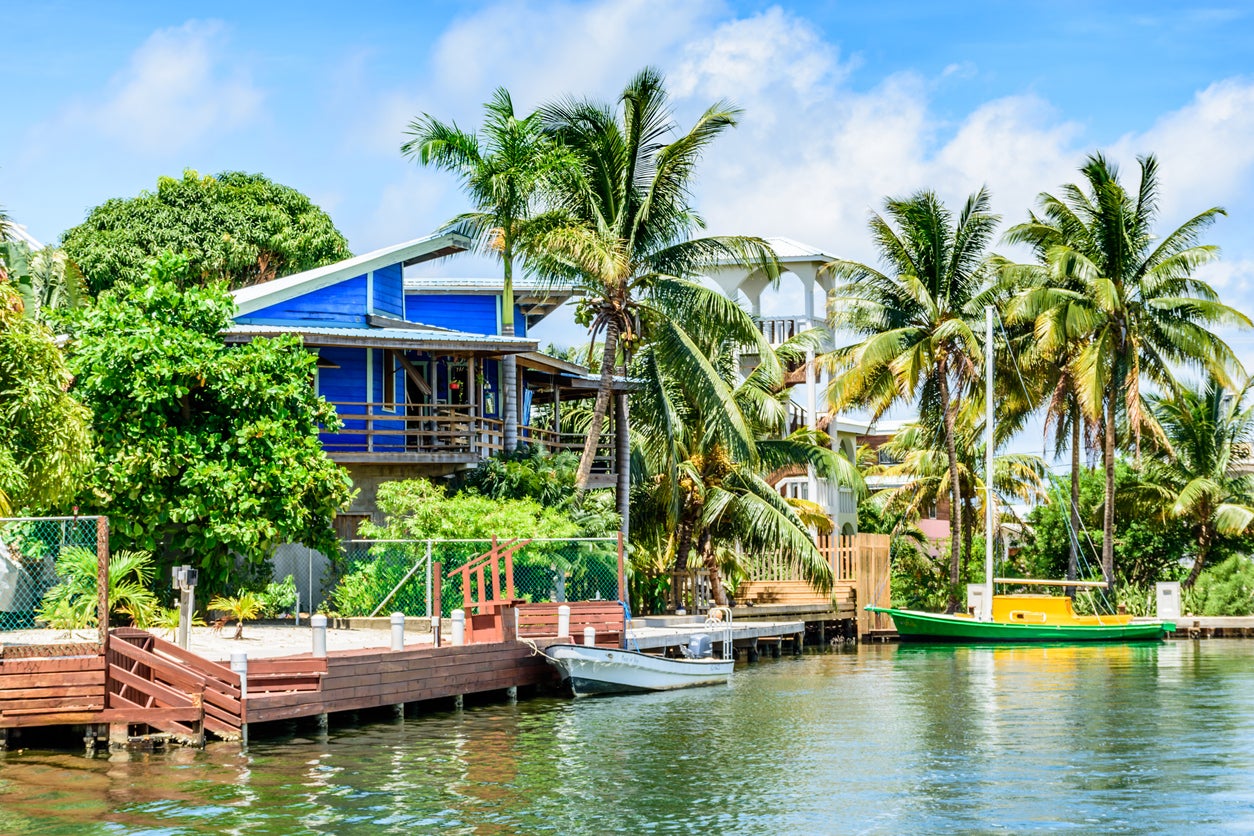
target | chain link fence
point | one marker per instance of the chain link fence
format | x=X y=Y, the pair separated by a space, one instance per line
x=51 y=572
x=376 y=577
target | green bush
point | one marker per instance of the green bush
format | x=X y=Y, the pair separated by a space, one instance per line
x=1226 y=589
x=278 y=598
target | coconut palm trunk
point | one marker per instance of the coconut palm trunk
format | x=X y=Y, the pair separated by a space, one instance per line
x=955 y=494
x=600 y=408
x=1073 y=556
x=509 y=363
x=1108 y=502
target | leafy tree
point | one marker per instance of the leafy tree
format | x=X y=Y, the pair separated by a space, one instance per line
x=234 y=227
x=1133 y=300
x=1148 y=547
x=622 y=232
x=1196 y=478
x=503 y=170
x=205 y=452
x=919 y=320
x=45 y=438
x=417 y=509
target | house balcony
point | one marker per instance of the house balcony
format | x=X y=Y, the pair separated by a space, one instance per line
x=444 y=434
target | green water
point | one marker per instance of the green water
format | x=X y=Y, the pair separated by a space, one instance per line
x=888 y=739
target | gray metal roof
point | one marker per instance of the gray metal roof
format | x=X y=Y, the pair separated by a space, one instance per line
x=403 y=338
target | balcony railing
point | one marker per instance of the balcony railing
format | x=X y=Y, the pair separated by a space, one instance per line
x=441 y=432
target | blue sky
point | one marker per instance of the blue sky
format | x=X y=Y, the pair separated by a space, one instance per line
x=844 y=103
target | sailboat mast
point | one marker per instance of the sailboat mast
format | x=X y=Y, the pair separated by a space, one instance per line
x=988 y=464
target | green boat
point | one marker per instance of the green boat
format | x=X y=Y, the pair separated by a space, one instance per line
x=1032 y=625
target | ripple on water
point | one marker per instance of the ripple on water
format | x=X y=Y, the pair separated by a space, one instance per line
x=875 y=740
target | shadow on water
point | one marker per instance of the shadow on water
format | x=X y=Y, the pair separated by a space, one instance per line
x=879 y=739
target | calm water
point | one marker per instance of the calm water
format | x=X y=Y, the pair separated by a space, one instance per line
x=876 y=740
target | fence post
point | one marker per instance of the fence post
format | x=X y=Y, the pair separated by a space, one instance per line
x=622 y=573
x=102 y=579
x=429 y=612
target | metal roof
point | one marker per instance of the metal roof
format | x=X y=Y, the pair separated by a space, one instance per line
x=445 y=284
x=419 y=339
x=258 y=296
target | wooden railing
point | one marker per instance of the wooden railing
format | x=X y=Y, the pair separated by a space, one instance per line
x=444 y=428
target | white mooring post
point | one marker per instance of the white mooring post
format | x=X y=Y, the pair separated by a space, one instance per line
x=435 y=631
x=589 y=636
x=239 y=665
x=398 y=631
x=563 y=621
x=459 y=627
x=319 y=624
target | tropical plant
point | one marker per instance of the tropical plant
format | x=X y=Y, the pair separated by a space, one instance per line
x=205 y=452
x=1198 y=477
x=72 y=604
x=503 y=170
x=709 y=443
x=233 y=227
x=50 y=283
x=168 y=619
x=1131 y=297
x=245 y=606
x=621 y=231
x=278 y=598
x=918 y=319
x=45 y=435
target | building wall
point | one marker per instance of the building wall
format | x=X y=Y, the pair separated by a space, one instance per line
x=389 y=291
x=474 y=314
x=341 y=304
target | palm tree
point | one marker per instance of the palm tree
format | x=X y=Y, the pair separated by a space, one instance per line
x=1208 y=430
x=503 y=171
x=918 y=318
x=1131 y=298
x=622 y=234
x=705 y=451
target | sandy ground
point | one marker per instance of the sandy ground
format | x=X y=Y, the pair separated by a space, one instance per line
x=260 y=640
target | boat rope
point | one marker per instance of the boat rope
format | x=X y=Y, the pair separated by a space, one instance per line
x=535 y=649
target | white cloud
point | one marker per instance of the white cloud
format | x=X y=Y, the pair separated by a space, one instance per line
x=177 y=89
x=1205 y=149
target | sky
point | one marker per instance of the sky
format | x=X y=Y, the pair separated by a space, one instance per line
x=844 y=104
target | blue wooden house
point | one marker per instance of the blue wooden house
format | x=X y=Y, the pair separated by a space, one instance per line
x=412 y=364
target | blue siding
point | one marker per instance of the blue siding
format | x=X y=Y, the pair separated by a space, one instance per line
x=343 y=303
x=473 y=314
x=345 y=385
x=389 y=293
x=520 y=322
x=380 y=368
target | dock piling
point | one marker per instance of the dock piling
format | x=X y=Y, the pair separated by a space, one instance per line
x=563 y=621
x=319 y=625
x=398 y=631
x=435 y=631
x=459 y=627
x=239 y=665
x=589 y=636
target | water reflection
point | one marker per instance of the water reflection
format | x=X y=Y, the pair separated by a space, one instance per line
x=874 y=740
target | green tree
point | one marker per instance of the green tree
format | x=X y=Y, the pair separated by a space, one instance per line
x=204 y=452
x=918 y=318
x=45 y=438
x=622 y=231
x=1133 y=296
x=503 y=170
x=708 y=442
x=1197 y=478
x=234 y=227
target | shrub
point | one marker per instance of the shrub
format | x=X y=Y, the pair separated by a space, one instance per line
x=1226 y=589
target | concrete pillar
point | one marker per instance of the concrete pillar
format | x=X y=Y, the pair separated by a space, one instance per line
x=239 y=665
x=319 y=625
x=511 y=693
x=589 y=636
x=563 y=621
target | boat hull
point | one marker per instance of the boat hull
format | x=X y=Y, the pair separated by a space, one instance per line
x=916 y=626
x=599 y=670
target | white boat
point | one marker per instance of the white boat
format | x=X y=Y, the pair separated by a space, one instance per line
x=604 y=670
